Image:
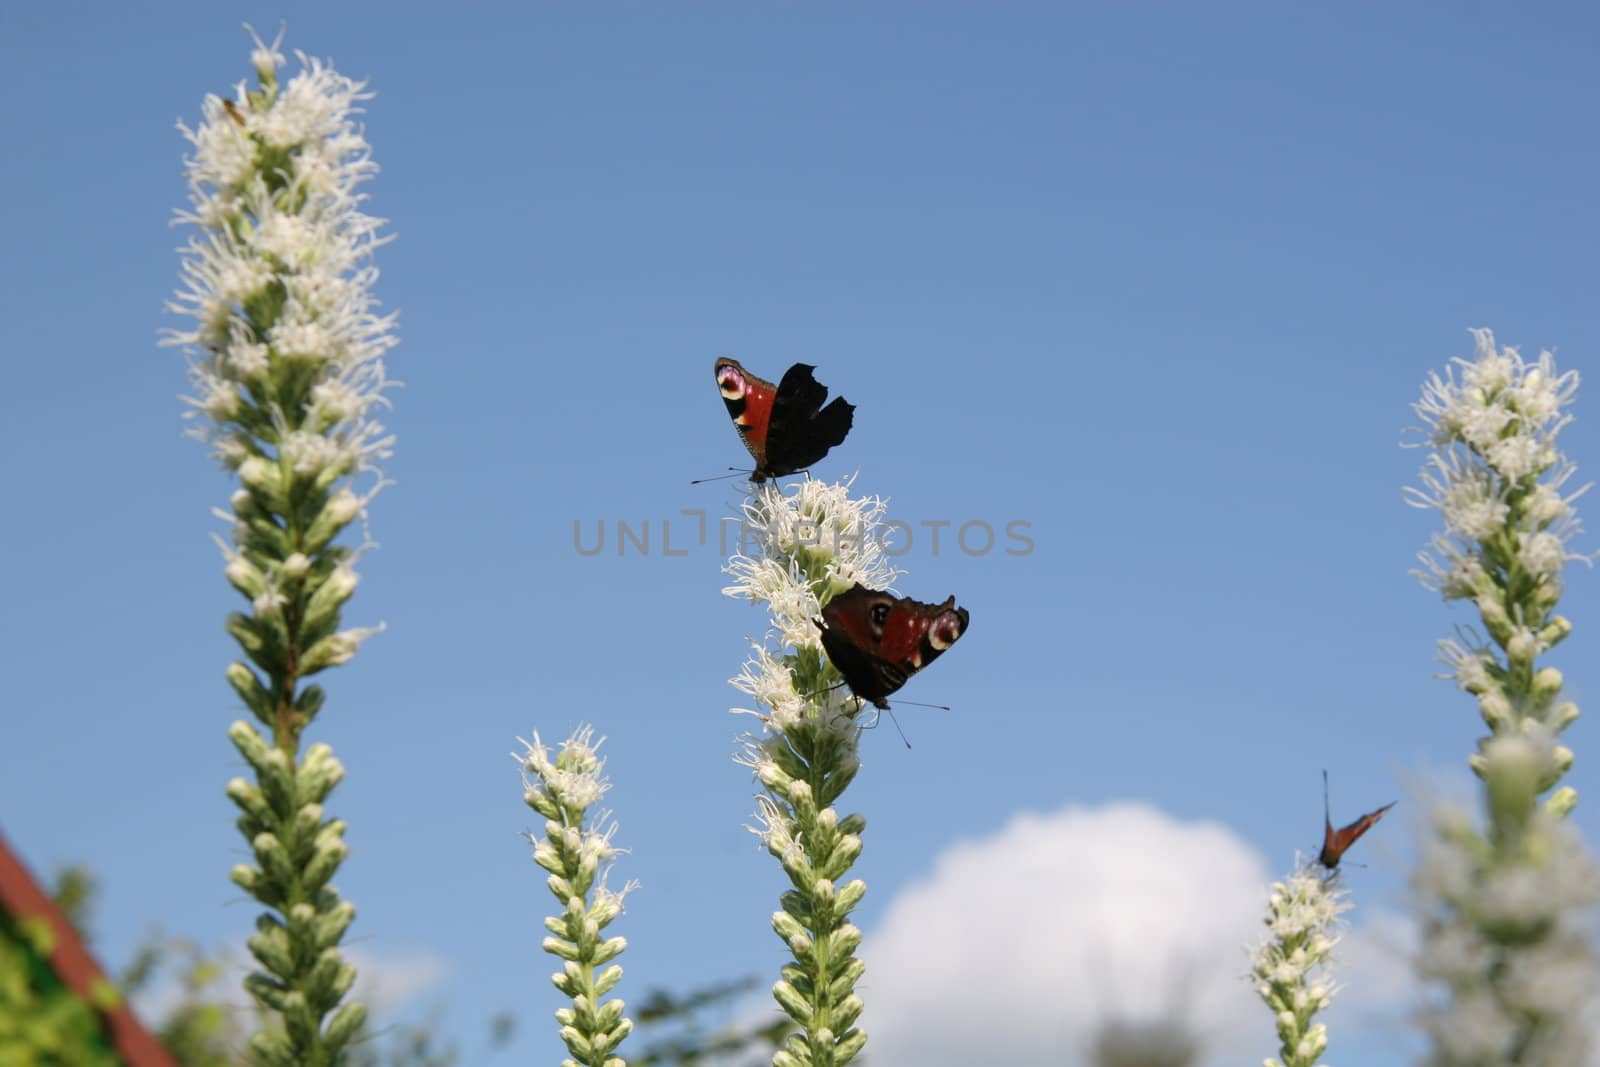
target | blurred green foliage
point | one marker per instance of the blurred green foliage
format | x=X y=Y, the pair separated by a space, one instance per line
x=674 y=1031
x=42 y=1024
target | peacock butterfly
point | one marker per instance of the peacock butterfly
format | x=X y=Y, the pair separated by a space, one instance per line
x=1336 y=842
x=877 y=640
x=785 y=427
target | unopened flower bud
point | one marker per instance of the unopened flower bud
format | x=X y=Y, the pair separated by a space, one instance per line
x=1493 y=612
x=1555 y=631
x=257 y=473
x=1494 y=707
x=772 y=776
x=1564 y=715
x=1561 y=756
x=244 y=576
x=1561 y=802
x=342 y=507
x=1524 y=644
x=1512 y=769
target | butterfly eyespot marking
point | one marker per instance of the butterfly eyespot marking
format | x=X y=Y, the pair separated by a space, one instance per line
x=944 y=631
x=730 y=383
x=879 y=615
x=786 y=427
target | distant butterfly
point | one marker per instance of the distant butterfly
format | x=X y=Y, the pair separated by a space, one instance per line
x=877 y=640
x=785 y=427
x=1336 y=842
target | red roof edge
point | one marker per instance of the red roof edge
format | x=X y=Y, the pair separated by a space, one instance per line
x=22 y=897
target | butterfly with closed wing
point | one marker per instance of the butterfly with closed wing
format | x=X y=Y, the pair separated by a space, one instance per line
x=877 y=640
x=785 y=426
x=1336 y=842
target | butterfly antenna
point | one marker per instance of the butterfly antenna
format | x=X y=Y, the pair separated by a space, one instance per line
x=898 y=730
x=919 y=704
x=721 y=477
x=1327 y=812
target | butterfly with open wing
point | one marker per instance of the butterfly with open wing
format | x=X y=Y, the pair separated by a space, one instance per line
x=877 y=640
x=785 y=426
x=1336 y=842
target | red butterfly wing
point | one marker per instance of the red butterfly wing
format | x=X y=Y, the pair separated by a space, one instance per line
x=904 y=630
x=785 y=427
x=1336 y=842
x=877 y=640
x=749 y=400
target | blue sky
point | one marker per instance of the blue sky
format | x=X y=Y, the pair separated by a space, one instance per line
x=1159 y=281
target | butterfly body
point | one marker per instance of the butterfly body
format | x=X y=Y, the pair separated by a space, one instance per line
x=877 y=640
x=786 y=427
x=1335 y=843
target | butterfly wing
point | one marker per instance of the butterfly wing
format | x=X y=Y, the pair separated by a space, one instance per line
x=877 y=640
x=750 y=404
x=869 y=676
x=1336 y=842
x=801 y=430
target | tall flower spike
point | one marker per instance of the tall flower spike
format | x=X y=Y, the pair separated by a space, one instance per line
x=1291 y=967
x=285 y=360
x=577 y=851
x=1503 y=904
x=810 y=543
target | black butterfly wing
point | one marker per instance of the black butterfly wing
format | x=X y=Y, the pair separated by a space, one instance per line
x=801 y=430
x=869 y=676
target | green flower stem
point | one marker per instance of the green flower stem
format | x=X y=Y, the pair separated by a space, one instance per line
x=285 y=360
x=811 y=542
x=816 y=848
x=805 y=769
x=577 y=851
x=303 y=977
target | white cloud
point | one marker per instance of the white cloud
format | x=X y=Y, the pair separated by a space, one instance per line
x=1019 y=944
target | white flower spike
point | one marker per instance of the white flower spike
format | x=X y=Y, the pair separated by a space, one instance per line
x=285 y=348
x=1504 y=906
x=808 y=544
x=577 y=852
x=1291 y=968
